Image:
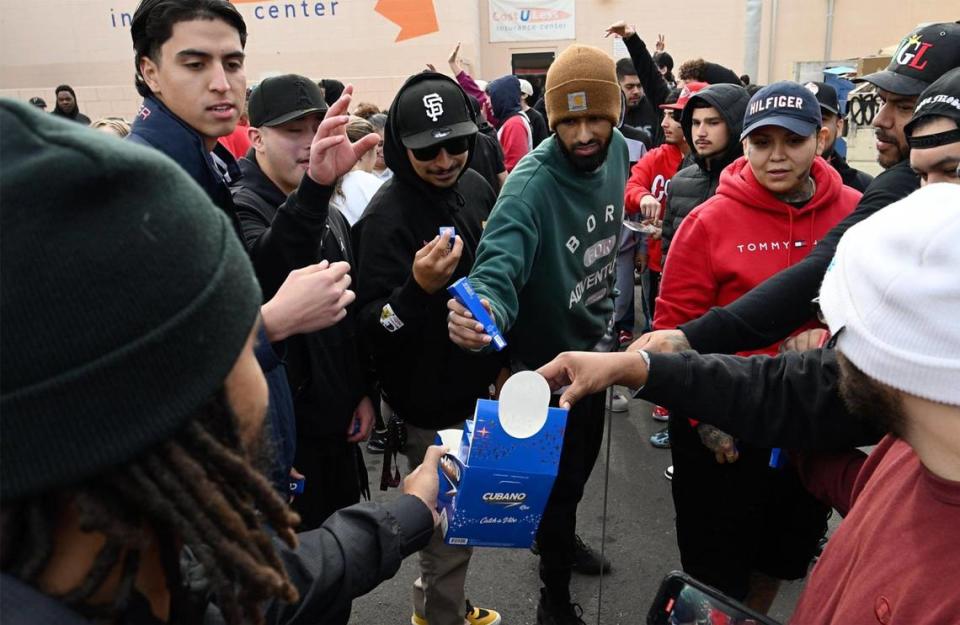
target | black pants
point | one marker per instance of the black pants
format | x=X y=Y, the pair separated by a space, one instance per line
x=330 y=468
x=555 y=537
x=733 y=519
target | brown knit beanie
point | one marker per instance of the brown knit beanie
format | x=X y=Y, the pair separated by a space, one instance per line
x=582 y=82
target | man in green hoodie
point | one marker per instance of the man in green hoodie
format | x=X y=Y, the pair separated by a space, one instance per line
x=545 y=268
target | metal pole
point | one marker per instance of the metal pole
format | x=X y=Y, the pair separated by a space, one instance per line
x=606 y=490
x=751 y=47
x=771 y=48
x=828 y=42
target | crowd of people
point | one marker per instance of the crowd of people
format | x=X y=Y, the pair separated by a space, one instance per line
x=208 y=310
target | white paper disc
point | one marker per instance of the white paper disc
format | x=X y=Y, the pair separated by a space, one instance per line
x=524 y=401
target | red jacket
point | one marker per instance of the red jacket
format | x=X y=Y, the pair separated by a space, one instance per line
x=515 y=139
x=237 y=141
x=651 y=176
x=894 y=557
x=740 y=237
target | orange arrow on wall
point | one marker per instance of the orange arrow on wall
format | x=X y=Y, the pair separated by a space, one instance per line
x=414 y=17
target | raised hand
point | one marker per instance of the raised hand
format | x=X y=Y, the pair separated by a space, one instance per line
x=331 y=153
x=454 y=60
x=621 y=29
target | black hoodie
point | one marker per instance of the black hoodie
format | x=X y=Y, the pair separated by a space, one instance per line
x=428 y=380
x=326 y=369
x=695 y=183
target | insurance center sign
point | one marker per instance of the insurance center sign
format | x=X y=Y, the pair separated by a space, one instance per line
x=532 y=20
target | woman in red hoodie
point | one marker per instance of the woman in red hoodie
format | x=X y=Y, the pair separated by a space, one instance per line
x=743 y=524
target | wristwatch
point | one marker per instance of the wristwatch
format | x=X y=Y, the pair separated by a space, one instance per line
x=646 y=359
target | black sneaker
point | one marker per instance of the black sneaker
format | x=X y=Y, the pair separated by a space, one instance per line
x=550 y=613
x=587 y=561
x=377 y=442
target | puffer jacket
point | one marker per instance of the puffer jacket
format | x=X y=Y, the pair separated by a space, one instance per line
x=698 y=180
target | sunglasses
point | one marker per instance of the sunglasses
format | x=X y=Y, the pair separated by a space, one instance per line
x=453 y=147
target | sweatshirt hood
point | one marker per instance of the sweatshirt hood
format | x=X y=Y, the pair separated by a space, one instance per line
x=504 y=95
x=731 y=101
x=738 y=184
x=395 y=154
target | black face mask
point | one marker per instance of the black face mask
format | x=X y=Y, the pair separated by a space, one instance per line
x=453 y=147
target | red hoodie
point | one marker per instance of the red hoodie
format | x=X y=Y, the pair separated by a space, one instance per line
x=651 y=176
x=740 y=237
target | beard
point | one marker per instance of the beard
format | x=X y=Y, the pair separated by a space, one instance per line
x=585 y=164
x=871 y=400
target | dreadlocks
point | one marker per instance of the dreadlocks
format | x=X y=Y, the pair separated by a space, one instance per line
x=198 y=487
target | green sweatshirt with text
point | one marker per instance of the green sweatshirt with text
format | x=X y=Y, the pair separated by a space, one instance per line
x=547 y=258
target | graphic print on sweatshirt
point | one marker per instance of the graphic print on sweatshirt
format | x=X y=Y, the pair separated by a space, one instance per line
x=599 y=258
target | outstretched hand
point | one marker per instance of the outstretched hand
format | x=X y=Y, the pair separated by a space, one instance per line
x=665 y=341
x=332 y=154
x=621 y=29
x=424 y=481
x=585 y=373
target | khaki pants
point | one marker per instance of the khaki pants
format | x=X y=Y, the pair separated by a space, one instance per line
x=438 y=594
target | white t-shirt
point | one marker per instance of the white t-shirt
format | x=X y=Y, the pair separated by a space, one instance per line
x=384 y=175
x=358 y=187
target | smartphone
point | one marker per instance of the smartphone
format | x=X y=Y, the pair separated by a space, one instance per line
x=683 y=600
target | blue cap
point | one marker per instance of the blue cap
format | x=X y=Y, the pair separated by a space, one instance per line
x=786 y=104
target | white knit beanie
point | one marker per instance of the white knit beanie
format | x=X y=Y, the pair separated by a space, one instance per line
x=894 y=287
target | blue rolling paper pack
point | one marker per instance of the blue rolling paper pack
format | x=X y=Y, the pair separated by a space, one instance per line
x=499 y=470
x=453 y=234
x=463 y=292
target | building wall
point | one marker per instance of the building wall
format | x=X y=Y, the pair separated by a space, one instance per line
x=86 y=44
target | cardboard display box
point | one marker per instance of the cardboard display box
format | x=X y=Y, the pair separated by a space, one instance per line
x=498 y=474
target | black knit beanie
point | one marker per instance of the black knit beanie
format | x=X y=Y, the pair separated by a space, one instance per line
x=125 y=300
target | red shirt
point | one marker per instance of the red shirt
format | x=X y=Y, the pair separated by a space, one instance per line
x=894 y=557
x=740 y=237
x=651 y=176
x=515 y=139
x=237 y=141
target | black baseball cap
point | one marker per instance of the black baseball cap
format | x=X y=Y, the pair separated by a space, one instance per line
x=941 y=99
x=922 y=56
x=826 y=95
x=280 y=99
x=38 y=102
x=432 y=111
x=786 y=104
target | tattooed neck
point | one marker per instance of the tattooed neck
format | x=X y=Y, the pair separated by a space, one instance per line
x=801 y=195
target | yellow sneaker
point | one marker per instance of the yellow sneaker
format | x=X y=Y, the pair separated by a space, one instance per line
x=482 y=616
x=474 y=616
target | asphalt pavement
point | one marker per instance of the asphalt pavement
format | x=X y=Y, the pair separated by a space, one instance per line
x=640 y=544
